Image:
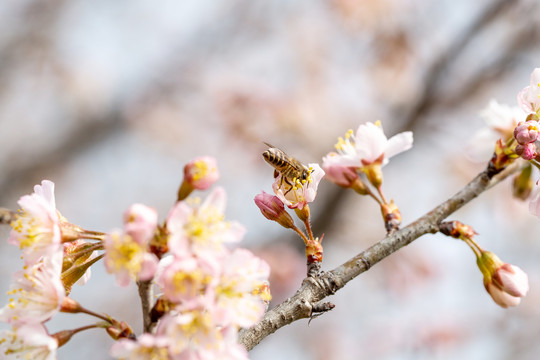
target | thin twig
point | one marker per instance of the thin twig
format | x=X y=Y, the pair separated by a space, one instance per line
x=314 y=290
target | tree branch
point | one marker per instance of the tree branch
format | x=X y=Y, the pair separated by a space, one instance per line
x=146 y=294
x=313 y=290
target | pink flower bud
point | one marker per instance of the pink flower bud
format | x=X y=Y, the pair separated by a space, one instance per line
x=505 y=283
x=201 y=172
x=512 y=280
x=526 y=132
x=273 y=209
x=527 y=151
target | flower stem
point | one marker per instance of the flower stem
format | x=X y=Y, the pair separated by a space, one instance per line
x=302 y=235
x=473 y=245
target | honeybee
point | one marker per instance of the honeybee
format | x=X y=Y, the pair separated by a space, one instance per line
x=292 y=171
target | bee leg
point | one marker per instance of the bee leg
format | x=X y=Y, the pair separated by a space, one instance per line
x=286 y=182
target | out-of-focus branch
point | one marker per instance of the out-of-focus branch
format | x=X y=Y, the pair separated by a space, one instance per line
x=6 y=216
x=313 y=290
x=439 y=65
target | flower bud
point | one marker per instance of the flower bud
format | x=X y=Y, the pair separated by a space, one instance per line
x=506 y=283
x=526 y=132
x=273 y=209
x=120 y=330
x=199 y=174
x=527 y=151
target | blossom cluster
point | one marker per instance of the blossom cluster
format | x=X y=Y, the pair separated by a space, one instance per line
x=207 y=292
x=526 y=132
x=37 y=291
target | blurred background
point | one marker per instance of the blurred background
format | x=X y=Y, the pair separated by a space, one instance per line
x=111 y=99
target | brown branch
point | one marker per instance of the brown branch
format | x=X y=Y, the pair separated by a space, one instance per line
x=146 y=295
x=313 y=290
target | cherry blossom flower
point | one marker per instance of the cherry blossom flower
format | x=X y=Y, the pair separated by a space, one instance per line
x=140 y=222
x=301 y=193
x=529 y=97
x=146 y=347
x=506 y=283
x=128 y=259
x=37 y=293
x=500 y=121
x=195 y=336
x=189 y=281
x=368 y=146
x=196 y=229
x=191 y=332
x=29 y=341
x=236 y=302
x=201 y=172
x=36 y=230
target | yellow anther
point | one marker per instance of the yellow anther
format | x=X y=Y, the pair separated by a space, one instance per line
x=378 y=123
x=349 y=133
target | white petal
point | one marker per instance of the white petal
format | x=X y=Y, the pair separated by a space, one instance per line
x=398 y=143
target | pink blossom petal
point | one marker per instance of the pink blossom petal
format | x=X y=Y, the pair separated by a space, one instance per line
x=217 y=198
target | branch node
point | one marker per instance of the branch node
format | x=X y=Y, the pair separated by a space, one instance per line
x=320 y=308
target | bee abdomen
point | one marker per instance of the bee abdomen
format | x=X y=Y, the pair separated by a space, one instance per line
x=276 y=159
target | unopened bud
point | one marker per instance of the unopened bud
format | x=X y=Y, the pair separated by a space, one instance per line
x=120 y=330
x=505 y=283
x=273 y=209
x=527 y=151
x=526 y=132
